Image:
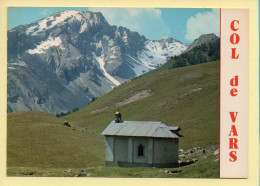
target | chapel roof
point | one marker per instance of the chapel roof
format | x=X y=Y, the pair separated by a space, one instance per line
x=154 y=129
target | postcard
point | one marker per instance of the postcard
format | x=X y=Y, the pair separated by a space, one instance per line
x=145 y=93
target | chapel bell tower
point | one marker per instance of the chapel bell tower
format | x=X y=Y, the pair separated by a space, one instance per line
x=118 y=117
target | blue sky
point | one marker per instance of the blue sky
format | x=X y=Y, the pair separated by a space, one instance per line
x=154 y=23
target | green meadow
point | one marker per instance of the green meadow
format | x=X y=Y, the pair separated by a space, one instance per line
x=38 y=144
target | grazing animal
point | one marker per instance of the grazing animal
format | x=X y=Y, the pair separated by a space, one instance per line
x=66 y=124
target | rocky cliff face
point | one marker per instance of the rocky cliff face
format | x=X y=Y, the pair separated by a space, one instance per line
x=62 y=61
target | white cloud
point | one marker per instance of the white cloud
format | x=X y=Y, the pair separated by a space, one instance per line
x=145 y=21
x=45 y=12
x=202 y=23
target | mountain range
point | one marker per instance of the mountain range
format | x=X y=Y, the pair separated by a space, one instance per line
x=62 y=61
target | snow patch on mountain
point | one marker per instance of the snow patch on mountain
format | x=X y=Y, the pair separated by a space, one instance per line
x=50 y=22
x=31 y=29
x=19 y=63
x=83 y=27
x=45 y=45
x=140 y=67
x=101 y=62
x=14 y=64
x=157 y=53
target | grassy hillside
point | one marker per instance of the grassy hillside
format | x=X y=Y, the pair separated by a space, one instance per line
x=38 y=139
x=187 y=97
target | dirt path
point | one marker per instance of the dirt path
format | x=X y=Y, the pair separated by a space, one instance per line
x=141 y=95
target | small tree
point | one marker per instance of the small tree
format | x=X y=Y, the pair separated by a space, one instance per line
x=75 y=109
x=93 y=99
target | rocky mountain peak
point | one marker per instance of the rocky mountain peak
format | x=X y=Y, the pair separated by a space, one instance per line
x=205 y=38
x=75 y=56
x=76 y=21
x=202 y=39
